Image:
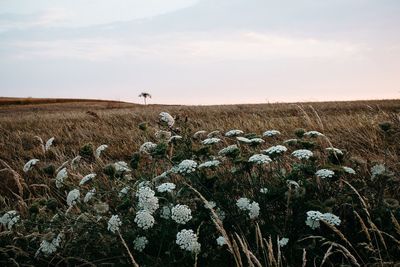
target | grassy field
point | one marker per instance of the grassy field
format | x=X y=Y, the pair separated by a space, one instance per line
x=354 y=127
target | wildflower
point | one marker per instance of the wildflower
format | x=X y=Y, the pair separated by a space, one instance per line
x=166 y=187
x=278 y=149
x=283 y=241
x=140 y=243
x=349 y=170
x=114 y=223
x=198 y=134
x=243 y=139
x=121 y=166
x=330 y=218
x=271 y=133
x=49 y=143
x=264 y=190
x=181 y=214
x=256 y=141
x=259 y=159
x=228 y=150
x=290 y=141
x=175 y=138
x=302 y=154
x=29 y=165
x=124 y=191
x=377 y=170
x=313 y=134
x=73 y=197
x=144 y=219
x=254 y=210
x=167 y=118
x=147 y=147
x=147 y=199
x=87 y=178
x=213 y=134
x=163 y=135
x=220 y=213
x=209 y=164
x=243 y=203
x=75 y=162
x=48 y=248
x=89 y=195
x=211 y=141
x=187 y=166
x=99 y=150
x=334 y=150
x=165 y=212
x=325 y=173
x=314 y=218
x=61 y=175
x=233 y=133
x=221 y=241
x=292 y=183
x=210 y=205
x=9 y=219
x=187 y=240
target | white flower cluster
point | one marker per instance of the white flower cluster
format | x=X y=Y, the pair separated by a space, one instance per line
x=252 y=207
x=210 y=204
x=9 y=219
x=163 y=135
x=334 y=150
x=175 y=138
x=233 y=133
x=264 y=190
x=283 y=241
x=187 y=240
x=165 y=117
x=271 y=133
x=211 y=141
x=291 y=184
x=61 y=176
x=256 y=140
x=325 y=173
x=313 y=134
x=140 y=243
x=147 y=199
x=29 y=165
x=313 y=218
x=87 y=178
x=73 y=197
x=209 y=164
x=302 y=154
x=349 y=170
x=147 y=147
x=121 y=166
x=214 y=134
x=144 y=219
x=181 y=214
x=228 y=150
x=165 y=212
x=243 y=139
x=259 y=159
x=377 y=170
x=75 y=162
x=186 y=166
x=48 y=248
x=290 y=141
x=49 y=143
x=99 y=150
x=114 y=223
x=278 y=149
x=221 y=241
x=166 y=187
x=89 y=195
x=198 y=134
x=124 y=191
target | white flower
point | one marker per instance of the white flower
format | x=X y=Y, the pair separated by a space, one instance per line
x=256 y=140
x=314 y=217
x=114 y=223
x=124 y=191
x=28 y=166
x=121 y=166
x=48 y=248
x=313 y=134
x=87 y=178
x=166 y=187
x=210 y=141
x=167 y=118
x=228 y=150
x=165 y=212
x=147 y=199
x=9 y=219
x=214 y=134
x=163 y=135
x=89 y=195
x=100 y=149
x=61 y=175
x=254 y=210
x=209 y=164
x=283 y=241
x=220 y=213
x=73 y=197
x=75 y=162
x=221 y=241
x=210 y=205
x=330 y=218
x=175 y=138
x=187 y=166
x=49 y=143
x=271 y=133
x=187 y=240
x=233 y=133
x=349 y=170
x=278 y=149
x=144 y=219
x=140 y=243
x=334 y=150
x=377 y=170
x=264 y=190
x=292 y=183
x=243 y=203
x=197 y=134
x=147 y=147
x=259 y=159
x=290 y=141
x=302 y=154
x=325 y=173
x=243 y=139
x=181 y=214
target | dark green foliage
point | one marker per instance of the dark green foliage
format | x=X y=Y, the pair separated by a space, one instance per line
x=86 y=151
x=49 y=170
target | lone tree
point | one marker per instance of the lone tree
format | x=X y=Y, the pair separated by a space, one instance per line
x=145 y=96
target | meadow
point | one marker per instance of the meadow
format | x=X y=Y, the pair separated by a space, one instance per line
x=93 y=183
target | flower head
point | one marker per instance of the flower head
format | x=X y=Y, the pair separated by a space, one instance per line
x=147 y=147
x=114 y=223
x=89 y=195
x=49 y=247
x=283 y=241
x=313 y=134
x=302 y=154
x=209 y=164
x=334 y=150
x=274 y=150
x=211 y=141
x=140 y=243
x=99 y=150
x=325 y=173
x=243 y=203
x=29 y=165
x=259 y=159
x=181 y=214
x=229 y=150
x=87 y=178
x=61 y=176
x=166 y=187
x=165 y=117
x=144 y=219
x=271 y=133
x=187 y=166
x=221 y=241
x=73 y=197
x=49 y=143
x=9 y=219
x=121 y=166
x=233 y=133
x=349 y=170
x=187 y=240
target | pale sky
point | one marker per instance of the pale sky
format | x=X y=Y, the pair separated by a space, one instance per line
x=201 y=51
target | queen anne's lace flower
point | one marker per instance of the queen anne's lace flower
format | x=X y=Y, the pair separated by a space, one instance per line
x=144 y=219
x=187 y=166
x=221 y=214
x=175 y=138
x=147 y=199
x=165 y=212
x=165 y=117
x=325 y=173
x=198 y=134
x=264 y=190
x=9 y=219
x=292 y=184
x=313 y=134
x=210 y=141
x=48 y=248
x=114 y=223
x=278 y=149
x=243 y=203
x=302 y=154
x=283 y=241
x=214 y=134
x=87 y=178
x=243 y=139
x=254 y=210
x=332 y=219
x=271 y=133
x=377 y=170
x=99 y=150
x=29 y=165
x=290 y=141
x=210 y=205
x=61 y=176
x=73 y=197
x=124 y=191
x=147 y=147
x=349 y=170
x=334 y=150
x=121 y=166
x=49 y=143
x=166 y=187
x=228 y=150
x=259 y=159
x=181 y=214
x=256 y=141
x=187 y=240
x=314 y=218
x=233 y=133
x=140 y=243
x=89 y=195
x=221 y=241
x=209 y=164
x=75 y=162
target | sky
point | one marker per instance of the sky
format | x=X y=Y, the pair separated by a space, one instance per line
x=201 y=52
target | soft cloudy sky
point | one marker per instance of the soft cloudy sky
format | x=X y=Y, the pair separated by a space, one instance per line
x=201 y=51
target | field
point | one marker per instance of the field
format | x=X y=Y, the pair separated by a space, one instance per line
x=264 y=199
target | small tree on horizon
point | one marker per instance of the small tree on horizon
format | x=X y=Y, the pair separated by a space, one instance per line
x=145 y=96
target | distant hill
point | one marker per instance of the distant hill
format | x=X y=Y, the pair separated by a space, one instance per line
x=29 y=101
